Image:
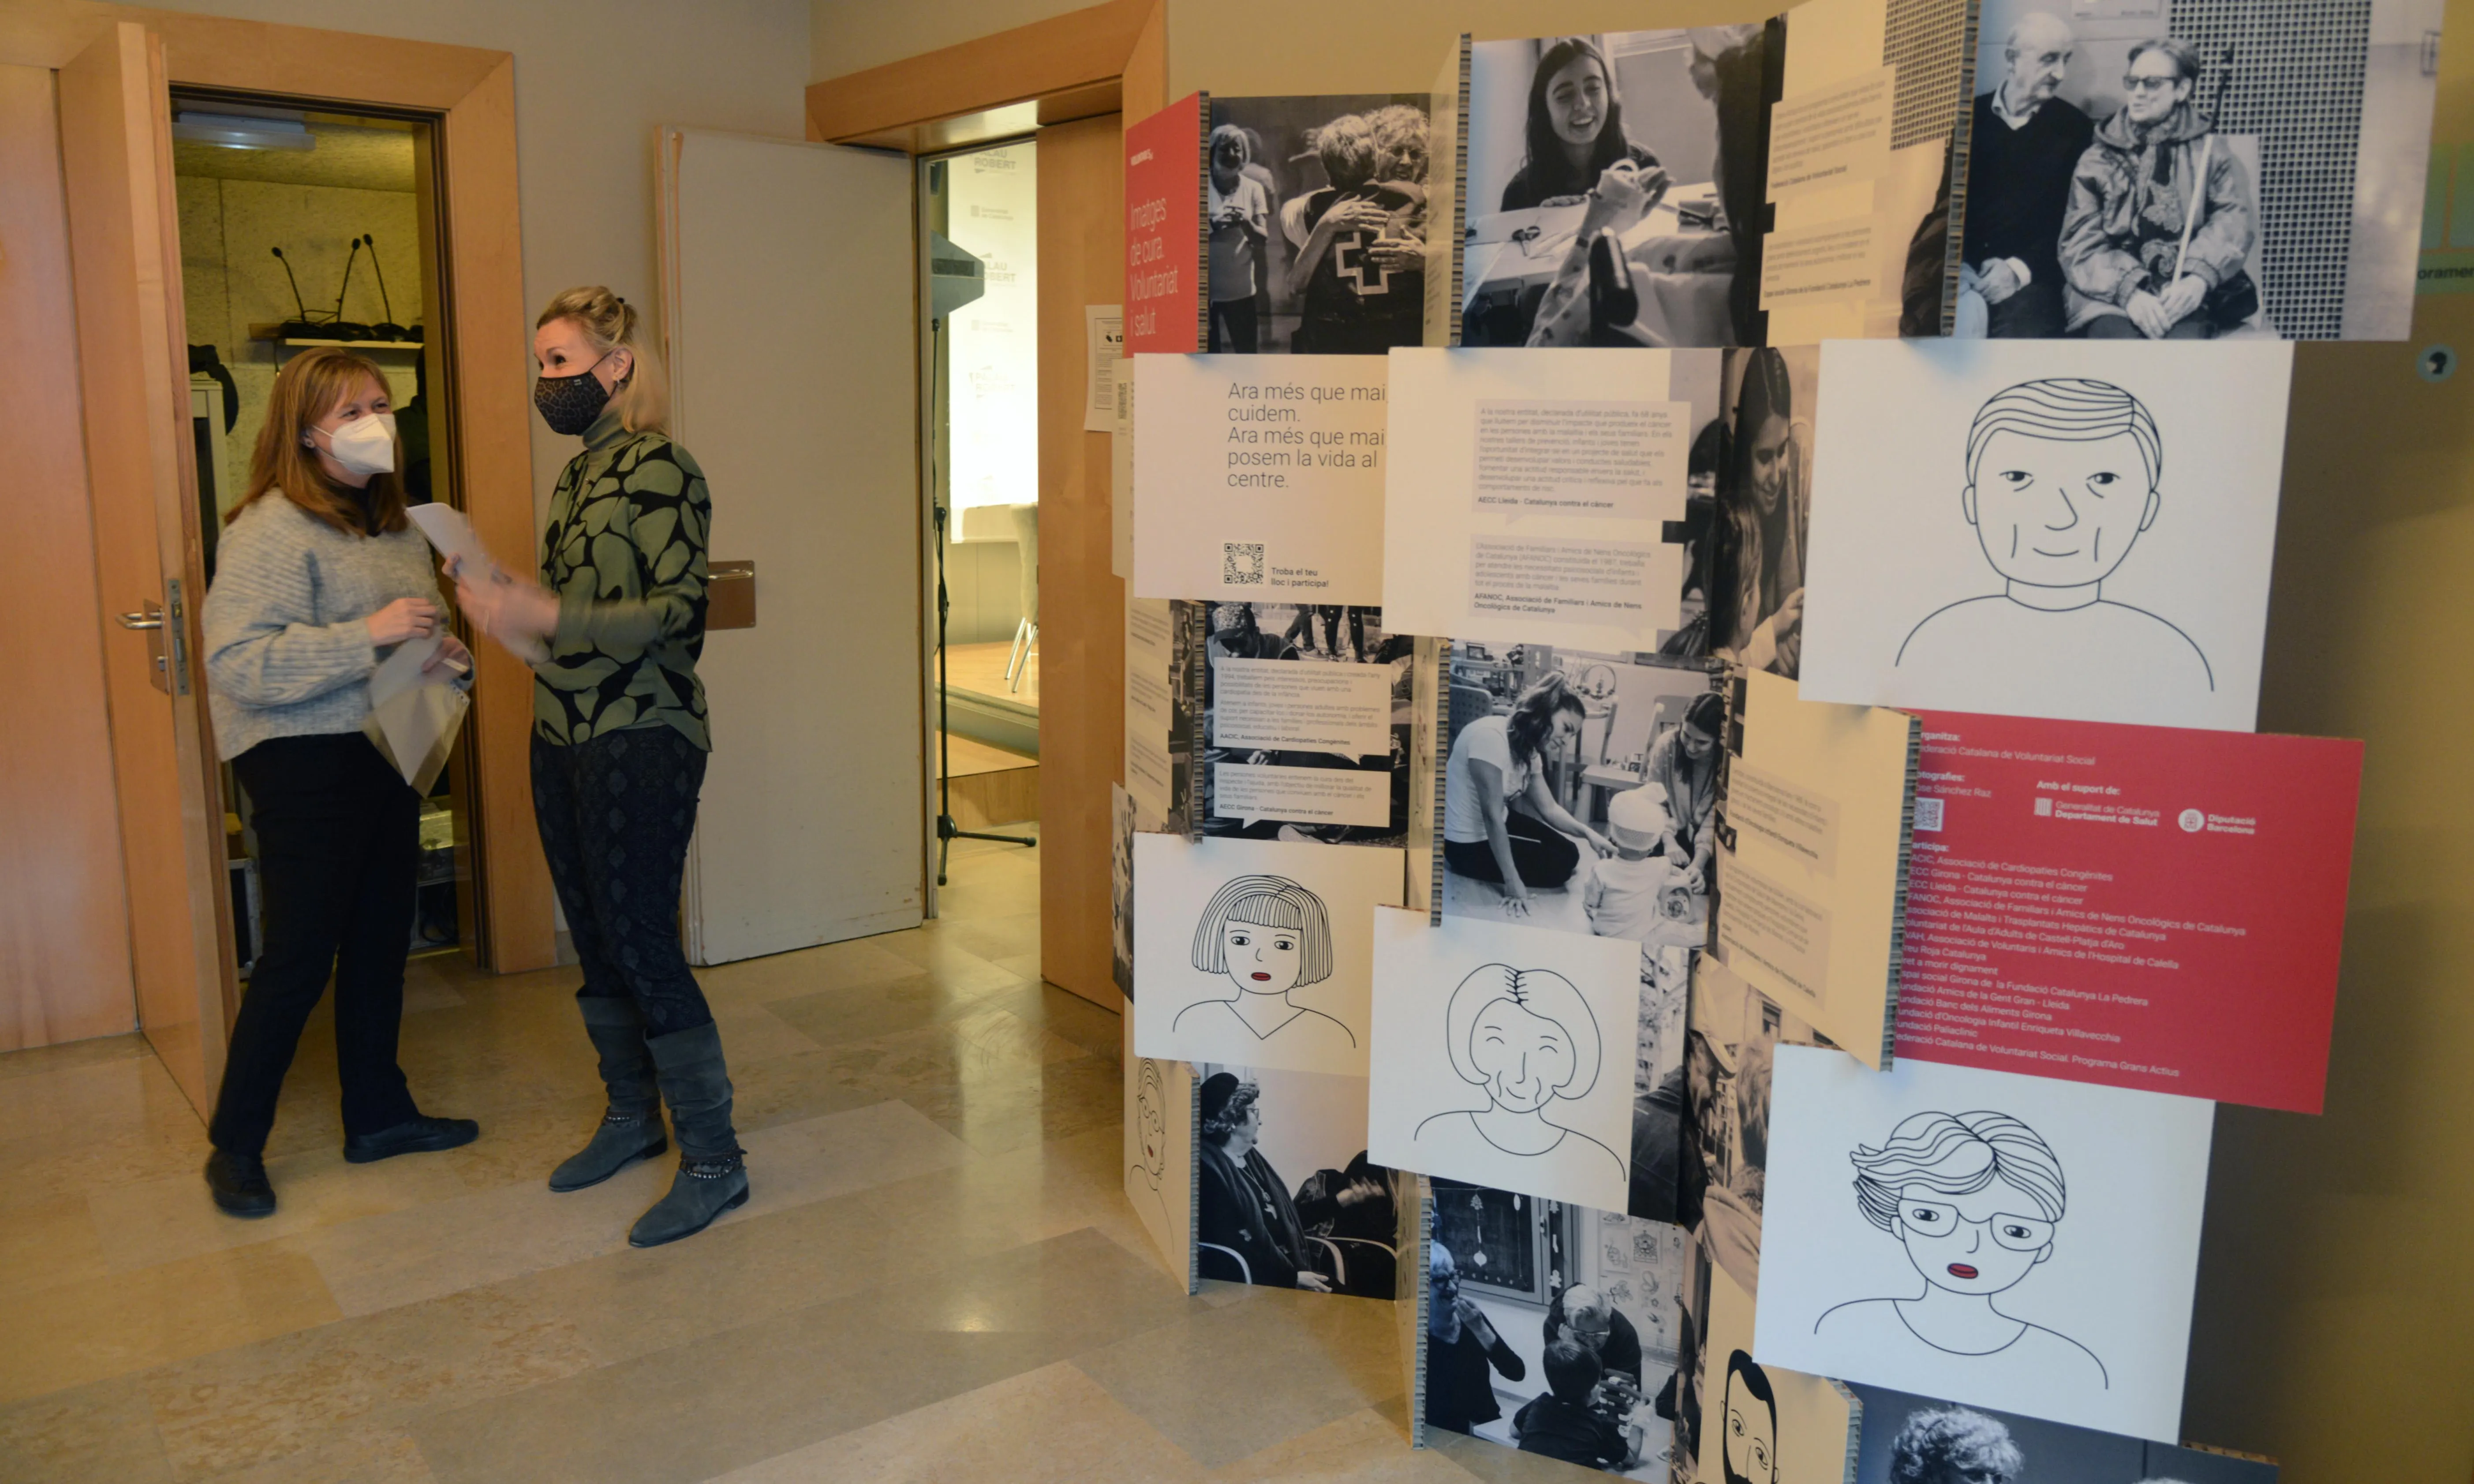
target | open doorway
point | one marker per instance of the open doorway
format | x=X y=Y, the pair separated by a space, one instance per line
x=301 y=227
x=979 y=215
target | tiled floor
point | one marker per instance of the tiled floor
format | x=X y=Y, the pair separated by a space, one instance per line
x=936 y=1280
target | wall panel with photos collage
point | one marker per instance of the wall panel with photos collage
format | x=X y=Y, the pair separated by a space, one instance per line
x=1694 y=817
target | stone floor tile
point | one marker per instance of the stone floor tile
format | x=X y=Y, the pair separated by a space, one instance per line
x=343 y=1385
x=1300 y=1361
x=163 y=1220
x=99 y=1433
x=105 y=1326
x=1052 y=1426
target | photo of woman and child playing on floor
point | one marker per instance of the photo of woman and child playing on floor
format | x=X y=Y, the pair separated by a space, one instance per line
x=1580 y=793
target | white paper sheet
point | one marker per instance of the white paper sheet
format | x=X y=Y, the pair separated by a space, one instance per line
x=418 y=715
x=1260 y=477
x=2016 y=1242
x=1503 y=1056
x=1531 y=493
x=1259 y=947
x=459 y=546
x=2075 y=529
x=1103 y=355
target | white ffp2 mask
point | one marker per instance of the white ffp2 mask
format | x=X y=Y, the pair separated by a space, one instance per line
x=365 y=445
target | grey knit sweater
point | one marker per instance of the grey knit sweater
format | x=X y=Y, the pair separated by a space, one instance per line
x=287 y=653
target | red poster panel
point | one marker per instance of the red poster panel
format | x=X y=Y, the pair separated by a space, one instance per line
x=1165 y=296
x=2138 y=906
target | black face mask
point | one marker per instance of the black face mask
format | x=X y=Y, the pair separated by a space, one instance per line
x=569 y=404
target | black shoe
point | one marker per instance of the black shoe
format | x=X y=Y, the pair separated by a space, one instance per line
x=239 y=1185
x=414 y=1136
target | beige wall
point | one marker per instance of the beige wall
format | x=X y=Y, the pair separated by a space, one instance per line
x=1307 y=46
x=852 y=35
x=594 y=80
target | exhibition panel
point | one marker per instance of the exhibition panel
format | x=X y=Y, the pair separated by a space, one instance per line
x=1821 y=798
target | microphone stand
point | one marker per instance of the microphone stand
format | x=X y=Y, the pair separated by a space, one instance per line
x=947 y=831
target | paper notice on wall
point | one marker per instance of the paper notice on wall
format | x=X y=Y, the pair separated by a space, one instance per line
x=1822 y=263
x=1601 y=459
x=1303 y=796
x=1562 y=580
x=1537 y=495
x=1103 y=355
x=1260 y=477
x=1812 y=859
x=1832 y=134
x=1281 y=705
x=1771 y=934
x=1147 y=704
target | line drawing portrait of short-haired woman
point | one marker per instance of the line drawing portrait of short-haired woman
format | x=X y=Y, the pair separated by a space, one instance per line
x=1977 y=1199
x=1266 y=935
x=1528 y=1038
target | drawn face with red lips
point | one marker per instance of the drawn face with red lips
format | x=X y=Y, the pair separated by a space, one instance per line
x=1975 y=1243
x=1261 y=960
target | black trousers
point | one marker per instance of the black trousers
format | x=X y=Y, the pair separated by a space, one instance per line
x=1543 y=856
x=615 y=814
x=1234 y=325
x=338 y=844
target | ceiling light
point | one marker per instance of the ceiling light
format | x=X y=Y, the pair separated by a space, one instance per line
x=238 y=131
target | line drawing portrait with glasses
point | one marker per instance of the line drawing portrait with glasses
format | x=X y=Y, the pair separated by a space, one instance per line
x=1977 y=1199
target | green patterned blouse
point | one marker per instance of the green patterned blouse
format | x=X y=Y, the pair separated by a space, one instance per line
x=625 y=553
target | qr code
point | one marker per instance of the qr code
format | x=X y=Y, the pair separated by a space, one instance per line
x=1929 y=814
x=1240 y=564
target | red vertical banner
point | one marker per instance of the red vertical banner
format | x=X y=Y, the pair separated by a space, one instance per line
x=1165 y=247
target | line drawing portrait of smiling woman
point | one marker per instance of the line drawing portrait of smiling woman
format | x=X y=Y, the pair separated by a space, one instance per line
x=1527 y=1037
x=1267 y=936
x=2063 y=476
x=1976 y=1198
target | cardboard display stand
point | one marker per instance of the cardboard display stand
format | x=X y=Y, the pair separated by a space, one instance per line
x=1597 y=869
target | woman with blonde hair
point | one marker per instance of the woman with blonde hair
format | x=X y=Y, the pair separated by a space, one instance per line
x=619 y=747
x=317 y=579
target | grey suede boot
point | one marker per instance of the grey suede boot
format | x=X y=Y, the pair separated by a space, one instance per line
x=632 y=1128
x=713 y=1177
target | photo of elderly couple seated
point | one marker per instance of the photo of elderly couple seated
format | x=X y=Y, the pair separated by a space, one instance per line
x=2098 y=205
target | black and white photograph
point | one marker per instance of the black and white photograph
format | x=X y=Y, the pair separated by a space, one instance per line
x=1726 y=1061
x=1551 y=1328
x=1913 y=1440
x=1288 y=1199
x=1580 y=792
x=1615 y=188
x=2194 y=171
x=1316 y=212
x=1748 y=552
x=1123 y=822
x=1309 y=633
x=1658 y=1083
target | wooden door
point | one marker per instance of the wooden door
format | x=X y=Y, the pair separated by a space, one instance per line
x=116 y=160
x=1081 y=638
x=788 y=306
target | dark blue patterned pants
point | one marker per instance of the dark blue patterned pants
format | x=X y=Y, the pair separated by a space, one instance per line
x=616 y=813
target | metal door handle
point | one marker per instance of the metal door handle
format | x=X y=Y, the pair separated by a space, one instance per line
x=141 y=621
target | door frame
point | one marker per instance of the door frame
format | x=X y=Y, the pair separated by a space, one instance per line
x=469 y=92
x=1107 y=59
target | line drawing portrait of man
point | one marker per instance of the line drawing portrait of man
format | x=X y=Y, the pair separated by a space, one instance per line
x=2063 y=476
